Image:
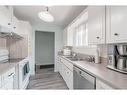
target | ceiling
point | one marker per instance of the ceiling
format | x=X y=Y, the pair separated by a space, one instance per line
x=63 y=14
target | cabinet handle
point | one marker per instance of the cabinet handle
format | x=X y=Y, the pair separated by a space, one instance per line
x=116 y=34
x=10 y=74
x=97 y=37
x=9 y=23
x=80 y=72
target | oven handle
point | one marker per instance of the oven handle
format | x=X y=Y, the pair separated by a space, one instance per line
x=10 y=74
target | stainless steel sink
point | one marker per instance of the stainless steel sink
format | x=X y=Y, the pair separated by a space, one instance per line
x=74 y=58
x=69 y=57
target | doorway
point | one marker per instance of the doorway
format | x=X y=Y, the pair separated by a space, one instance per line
x=44 y=49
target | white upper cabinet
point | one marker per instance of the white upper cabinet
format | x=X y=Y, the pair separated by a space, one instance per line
x=8 y=22
x=5 y=16
x=96 y=24
x=15 y=23
x=116 y=24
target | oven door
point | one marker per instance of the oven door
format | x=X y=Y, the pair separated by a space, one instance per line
x=25 y=70
x=24 y=73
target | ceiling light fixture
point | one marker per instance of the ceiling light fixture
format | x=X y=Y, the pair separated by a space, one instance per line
x=46 y=15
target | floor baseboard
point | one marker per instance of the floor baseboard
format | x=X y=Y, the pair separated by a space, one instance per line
x=46 y=66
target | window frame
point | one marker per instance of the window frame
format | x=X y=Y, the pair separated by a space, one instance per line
x=74 y=34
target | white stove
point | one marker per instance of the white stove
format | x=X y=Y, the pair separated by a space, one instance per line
x=22 y=69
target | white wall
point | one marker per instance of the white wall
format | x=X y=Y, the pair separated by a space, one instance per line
x=58 y=38
x=92 y=50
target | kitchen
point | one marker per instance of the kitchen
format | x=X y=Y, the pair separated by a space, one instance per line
x=87 y=47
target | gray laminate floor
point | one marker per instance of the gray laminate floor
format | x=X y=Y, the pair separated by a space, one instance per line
x=46 y=79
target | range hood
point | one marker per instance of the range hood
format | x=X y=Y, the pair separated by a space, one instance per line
x=7 y=32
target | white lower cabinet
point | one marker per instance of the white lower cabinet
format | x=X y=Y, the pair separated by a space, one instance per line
x=66 y=72
x=69 y=78
x=9 y=85
x=8 y=79
x=102 y=85
x=60 y=67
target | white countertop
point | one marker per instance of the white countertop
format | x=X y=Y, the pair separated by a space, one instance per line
x=8 y=65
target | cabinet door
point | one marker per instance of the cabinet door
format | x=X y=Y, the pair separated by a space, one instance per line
x=10 y=84
x=8 y=79
x=57 y=65
x=60 y=67
x=118 y=22
x=64 y=72
x=69 y=78
x=96 y=24
x=102 y=85
x=5 y=17
x=15 y=24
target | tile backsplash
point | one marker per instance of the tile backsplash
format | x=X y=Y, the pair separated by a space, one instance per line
x=18 y=48
x=103 y=49
x=92 y=50
x=85 y=50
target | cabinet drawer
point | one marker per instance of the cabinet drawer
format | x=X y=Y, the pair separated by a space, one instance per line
x=67 y=63
x=6 y=76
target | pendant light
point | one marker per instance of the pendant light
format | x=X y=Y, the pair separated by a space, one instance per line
x=46 y=15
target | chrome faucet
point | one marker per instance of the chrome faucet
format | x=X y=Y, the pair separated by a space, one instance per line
x=74 y=54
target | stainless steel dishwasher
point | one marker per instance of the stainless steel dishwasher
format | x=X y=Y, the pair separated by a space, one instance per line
x=83 y=80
